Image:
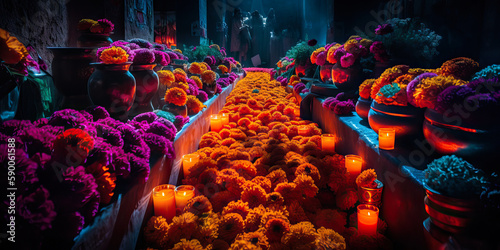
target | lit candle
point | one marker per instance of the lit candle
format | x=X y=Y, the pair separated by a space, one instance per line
x=367 y=219
x=188 y=161
x=303 y=130
x=386 y=138
x=164 y=201
x=215 y=123
x=225 y=119
x=182 y=195
x=353 y=163
x=328 y=142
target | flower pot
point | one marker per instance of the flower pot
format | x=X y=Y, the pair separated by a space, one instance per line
x=472 y=137
x=451 y=214
x=176 y=110
x=209 y=89
x=93 y=40
x=325 y=72
x=71 y=70
x=347 y=78
x=363 y=107
x=406 y=120
x=371 y=196
x=147 y=84
x=112 y=86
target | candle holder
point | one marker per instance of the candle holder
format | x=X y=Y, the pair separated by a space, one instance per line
x=371 y=196
x=354 y=164
x=328 y=142
x=225 y=119
x=367 y=219
x=386 y=138
x=188 y=161
x=183 y=194
x=164 y=201
x=215 y=123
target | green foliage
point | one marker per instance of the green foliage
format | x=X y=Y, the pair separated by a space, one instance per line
x=301 y=52
x=201 y=51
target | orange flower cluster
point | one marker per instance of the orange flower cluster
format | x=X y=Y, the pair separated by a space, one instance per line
x=223 y=69
x=11 y=50
x=197 y=68
x=208 y=77
x=166 y=77
x=259 y=182
x=198 y=81
x=365 y=88
x=194 y=105
x=461 y=67
x=176 y=96
x=114 y=55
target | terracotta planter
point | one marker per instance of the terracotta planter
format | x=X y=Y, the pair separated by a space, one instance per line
x=451 y=214
x=363 y=107
x=147 y=83
x=71 y=70
x=325 y=72
x=371 y=196
x=93 y=40
x=466 y=138
x=347 y=78
x=406 y=120
x=112 y=86
x=176 y=110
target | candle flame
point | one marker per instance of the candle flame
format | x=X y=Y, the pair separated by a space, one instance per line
x=387 y=134
x=368 y=213
x=184 y=193
x=162 y=193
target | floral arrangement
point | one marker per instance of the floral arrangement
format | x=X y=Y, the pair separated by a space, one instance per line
x=201 y=52
x=426 y=91
x=367 y=179
x=69 y=165
x=353 y=50
x=197 y=68
x=223 y=69
x=452 y=176
x=407 y=38
x=340 y=104
x=365 y=88
x=197 y=80
x=167 y=78
x=208 y=77
x=492 y=71
x=194 y=105
x=301 y=52
x=101 y=26
x=461 y=67
x=260 y=185
x=15 y=57
x=176 y=96
x=114 y=55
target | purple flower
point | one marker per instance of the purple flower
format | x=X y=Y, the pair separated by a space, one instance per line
x=129 y=135
x=159 y=46
x=202 y=96
x=106 y=25
x=38 y=139
x=133 y=46
x=101 y=153
x=67 y=118
x=484 y=86
x=223 y=51
x=12 y=126
x=36 y=208
x=110 y=122
x=171 y=55
x=87 y=115
x=321 y=58
x=160 y=144
x=41 y=122
x=218 y=89
x=304 y=91
x=224 y=82
x=284 y=82
x=144 y=56
x=383 y=29
x=141 y=150
x=299 y=87
x=149 y=117
x=160 y=129
x=180 y=121
x=410 y=89
x=347 y=60
x=161 y=58
x=139 y=169
x=328 y=46
x=193 y=89
x=483 y=102
x=141 y=42
x=210 y=60
x=97 y=112
x=344 y=108
x=339 y=53
x=168 y=124
x=333 y=104
x=327 y=101
x=450 y=96
x=120 y=165
x=140 y=127
x=312 y=42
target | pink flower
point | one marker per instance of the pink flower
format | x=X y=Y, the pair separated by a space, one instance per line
x=347 y=60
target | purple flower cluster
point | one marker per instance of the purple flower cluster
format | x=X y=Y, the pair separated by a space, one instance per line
x=283 y=81
x=202 y=96
x=144 y=56
x=340 y=104
x=180 y=121
x=379 y=52
x=321 y=58
x=210 y=60
x=299 y=87
x=383 y=29
x=161 y=58
x=141 y=42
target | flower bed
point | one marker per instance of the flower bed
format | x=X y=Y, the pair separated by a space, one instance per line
x=262 y=185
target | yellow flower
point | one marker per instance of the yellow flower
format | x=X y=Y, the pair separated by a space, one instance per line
x=329 y=240
x=188 y=245
x=114 y=55
x=198 y=81
x=301 y=236
x=85 y=24
x=166 y=77
x=11 y=50
x=178 y=50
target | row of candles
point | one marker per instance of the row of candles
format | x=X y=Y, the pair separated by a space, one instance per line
x=168 y=199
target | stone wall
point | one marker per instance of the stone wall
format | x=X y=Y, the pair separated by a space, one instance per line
x=41 y=23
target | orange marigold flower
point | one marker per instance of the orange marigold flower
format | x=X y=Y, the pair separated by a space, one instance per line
x=310 y=170
x=73 y=143
x=184 y=244
x=238 y=207
x=427 y=91
x=166 y=77
x=12 y=51
x=460 y=67
x=223 y=69
x=176 y=96
x=209 y=175
x=198 y=81
x=305 y=185
x=365 y=88
x=244 y=168
x=182 y=227
x=195 y=68
x=208 y=77
x=288 y=191
x=294 y=78
x=238 y=134
x=219 y=245
x=367 y=179
x=198 y=205
x=155 y=232
x=254 y=195
x=221 y=199
x=114 y=55
x=194 y=105
x=297 y=213
x=257 y=239
x=275 y=229
x=301 y=236
x=329 y=239
x=180 y=71
x=276 y=177
x=230 y=226
x=346 y=198
x=85 y=24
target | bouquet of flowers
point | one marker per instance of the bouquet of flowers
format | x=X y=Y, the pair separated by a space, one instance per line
x=101 y=26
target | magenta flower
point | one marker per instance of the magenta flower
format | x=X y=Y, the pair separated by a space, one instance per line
x=451 y=96
x=161 y=58
x=321 y=58
x=144 y=56
x=202 y=96
x=106 y=25
x=180 y=121
x=97 y=112
x=347 y=60
x=339 y=53
x=36 y=208
x=344 y=108
x=142 y=43
x=383 y=29
x=148 y=117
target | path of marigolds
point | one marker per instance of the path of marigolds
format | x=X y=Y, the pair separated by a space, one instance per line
x=263 y=186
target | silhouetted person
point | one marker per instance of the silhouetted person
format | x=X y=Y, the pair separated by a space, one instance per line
x=236 y=25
